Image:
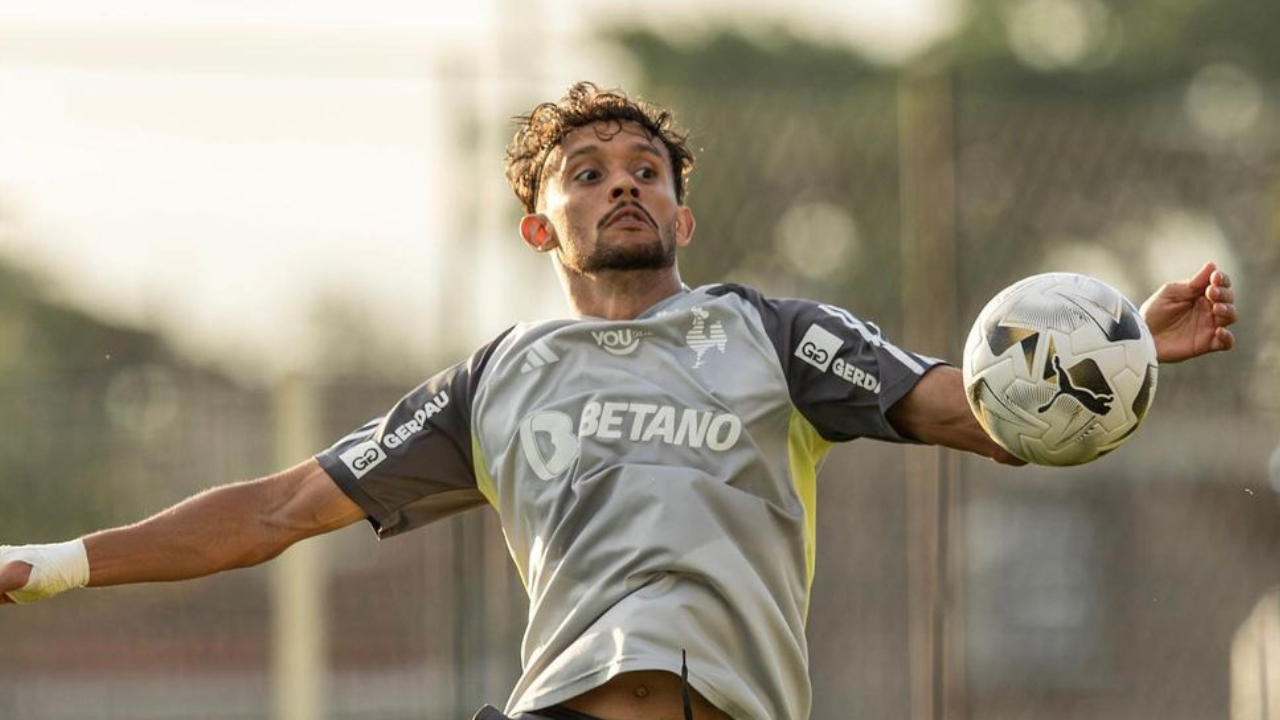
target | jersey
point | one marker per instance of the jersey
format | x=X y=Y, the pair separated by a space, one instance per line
x=655 y=481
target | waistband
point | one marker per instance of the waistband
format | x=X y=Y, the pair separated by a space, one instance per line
x=556 y=712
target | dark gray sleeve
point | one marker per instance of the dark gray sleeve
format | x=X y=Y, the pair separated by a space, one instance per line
x=842 y=373
x=413 y=465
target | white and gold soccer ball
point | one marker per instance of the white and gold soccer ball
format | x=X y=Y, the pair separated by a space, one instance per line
x=1060 y=369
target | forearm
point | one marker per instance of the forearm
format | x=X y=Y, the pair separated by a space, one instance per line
x=228 y=527
x=220 y=529
x=936 y=412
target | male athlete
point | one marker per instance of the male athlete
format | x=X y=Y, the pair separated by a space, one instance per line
x=652 y=457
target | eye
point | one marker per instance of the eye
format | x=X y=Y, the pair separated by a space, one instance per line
x=647 y=173
x=587 y=175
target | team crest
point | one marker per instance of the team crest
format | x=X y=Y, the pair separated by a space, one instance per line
x=703 y=335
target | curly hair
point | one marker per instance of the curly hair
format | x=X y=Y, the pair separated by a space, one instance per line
x=546 y=126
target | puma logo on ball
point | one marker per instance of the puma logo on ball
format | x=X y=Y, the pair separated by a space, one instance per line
x=1097 y=403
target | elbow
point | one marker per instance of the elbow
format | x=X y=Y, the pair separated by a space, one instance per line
x=282 y=519
x=289 y=507
x=274 y=534
x=251 y=548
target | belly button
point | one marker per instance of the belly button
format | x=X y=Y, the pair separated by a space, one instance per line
x=642 y=691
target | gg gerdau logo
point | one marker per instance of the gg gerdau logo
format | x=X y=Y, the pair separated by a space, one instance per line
x=362 y=458
x=818 y=347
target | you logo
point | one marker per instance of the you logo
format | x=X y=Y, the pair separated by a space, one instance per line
x=622 y=341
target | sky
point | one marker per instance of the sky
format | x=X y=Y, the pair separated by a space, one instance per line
x=211 y=169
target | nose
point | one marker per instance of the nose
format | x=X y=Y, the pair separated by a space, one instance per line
x=624 y=189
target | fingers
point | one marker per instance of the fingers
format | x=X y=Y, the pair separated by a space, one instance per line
x=1198 y=285
x=1004 y=457
x=13 y=576
x=1223 y=297
x=1224 y=314
x=1201 y=279
x=1219 y=288
x=1220 y=294
x=1223 y=339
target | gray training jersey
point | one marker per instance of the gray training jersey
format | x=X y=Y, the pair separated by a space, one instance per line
x=654 y=479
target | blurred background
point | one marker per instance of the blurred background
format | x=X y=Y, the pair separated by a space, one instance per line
x=231 y=232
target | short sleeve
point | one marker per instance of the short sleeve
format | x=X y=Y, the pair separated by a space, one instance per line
x=414 y=465
x=842 y=373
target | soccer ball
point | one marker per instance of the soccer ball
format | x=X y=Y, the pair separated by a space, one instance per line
x=1060 y=369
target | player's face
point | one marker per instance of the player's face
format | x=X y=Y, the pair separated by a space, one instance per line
x=609 y=196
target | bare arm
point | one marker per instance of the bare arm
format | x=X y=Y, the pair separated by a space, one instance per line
x=227 y=527
x=936 y=412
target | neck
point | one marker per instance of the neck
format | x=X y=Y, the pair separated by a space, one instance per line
x=618 y=294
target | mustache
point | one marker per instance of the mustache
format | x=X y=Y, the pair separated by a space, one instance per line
x=627 y=206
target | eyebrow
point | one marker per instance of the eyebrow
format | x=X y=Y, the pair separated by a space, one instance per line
x=637 y=146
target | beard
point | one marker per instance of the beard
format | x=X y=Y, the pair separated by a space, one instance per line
x=658 y=254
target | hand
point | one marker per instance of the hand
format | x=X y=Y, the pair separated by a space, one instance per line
x=13 y=576
x=1189 y=319
x=1004 y=457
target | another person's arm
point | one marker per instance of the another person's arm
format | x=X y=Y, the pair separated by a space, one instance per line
x=227 y=527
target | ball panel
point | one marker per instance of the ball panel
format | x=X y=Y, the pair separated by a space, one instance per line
x=1146 y=392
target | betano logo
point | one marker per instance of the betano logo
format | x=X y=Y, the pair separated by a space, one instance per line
x=548 y=442
x=551 y=447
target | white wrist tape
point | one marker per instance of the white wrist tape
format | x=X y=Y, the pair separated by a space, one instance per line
x=54 y=569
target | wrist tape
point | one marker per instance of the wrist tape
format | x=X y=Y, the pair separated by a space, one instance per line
x=54 y=569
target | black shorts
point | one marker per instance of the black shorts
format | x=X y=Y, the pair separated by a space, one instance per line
x=488 y=712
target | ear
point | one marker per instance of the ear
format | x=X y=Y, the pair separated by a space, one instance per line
x=538 y=233
x=685 y=225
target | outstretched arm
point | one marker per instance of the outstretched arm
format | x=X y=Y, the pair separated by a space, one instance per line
x=227 y=527
x=1190 y=318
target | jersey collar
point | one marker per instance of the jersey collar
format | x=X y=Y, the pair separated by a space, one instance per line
x=651 y=311
x=657 y=308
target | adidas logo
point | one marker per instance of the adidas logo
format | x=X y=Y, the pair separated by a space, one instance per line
x=537 y=357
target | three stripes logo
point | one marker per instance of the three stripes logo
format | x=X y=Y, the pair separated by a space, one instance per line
x=537 y=357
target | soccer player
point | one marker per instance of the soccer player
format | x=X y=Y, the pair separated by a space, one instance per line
x=652 y=458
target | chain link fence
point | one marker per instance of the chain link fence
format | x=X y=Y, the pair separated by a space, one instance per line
x=1132 y=588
